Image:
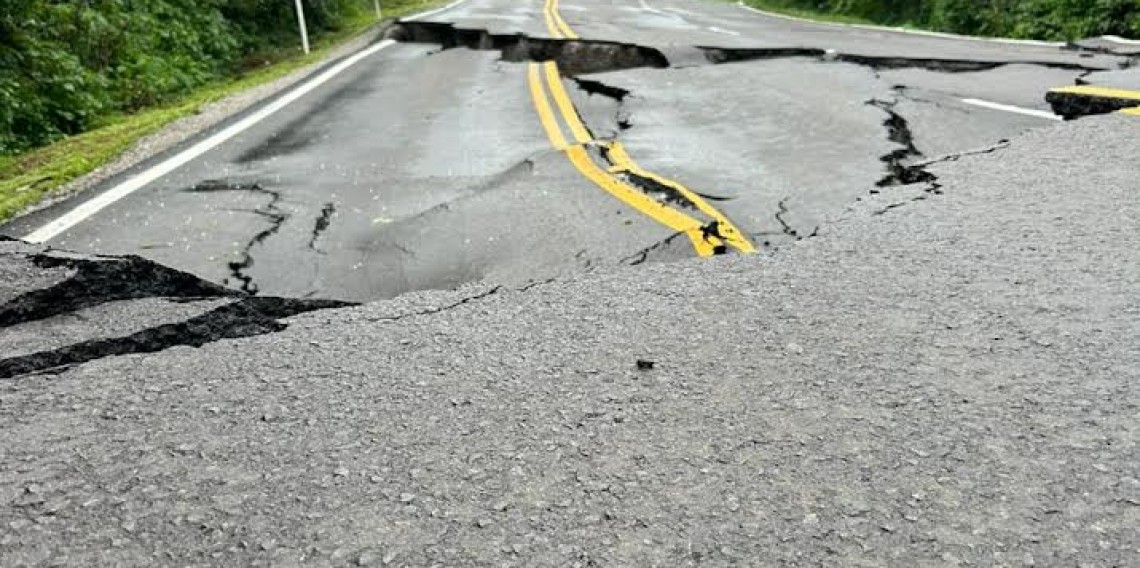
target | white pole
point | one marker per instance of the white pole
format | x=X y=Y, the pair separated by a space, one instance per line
x=379 y=15
x=301 y=23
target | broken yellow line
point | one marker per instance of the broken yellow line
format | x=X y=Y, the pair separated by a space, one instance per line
x=727 y=229
x=580 y=159
x=706 y=239
x=624 y=163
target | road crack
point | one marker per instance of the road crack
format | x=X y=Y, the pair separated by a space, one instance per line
x=239 y=269
x=573 y=56
x=580 y=56
x=786 y=227
x=898 y=131
x=642 y=256
x=99 y=280
x=247 y=317
x=324 y=220
x=935 y=188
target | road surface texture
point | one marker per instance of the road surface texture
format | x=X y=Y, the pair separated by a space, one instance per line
x=919 y=348
x=932 y=380
x=426 y=164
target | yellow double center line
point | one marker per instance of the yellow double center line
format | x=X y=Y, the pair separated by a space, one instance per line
x=545 y=82
x=554 y=22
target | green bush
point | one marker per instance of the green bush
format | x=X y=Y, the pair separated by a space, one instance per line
x=66 y=64
x=1038 y=19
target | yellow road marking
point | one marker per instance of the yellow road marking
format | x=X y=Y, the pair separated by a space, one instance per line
x=1134 y=111
x=650 y=207
x=545 y=113
x=548 y=15
x=562 y=25
x=704 y=243
x=581 y=161
x=623 y=162
x=1102 y=92
x=562 y=99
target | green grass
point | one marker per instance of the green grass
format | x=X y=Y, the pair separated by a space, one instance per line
x=28 y=178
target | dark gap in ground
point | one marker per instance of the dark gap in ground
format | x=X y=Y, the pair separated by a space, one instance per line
x=599 y=88
x=786 y=228
x=245 y=318
x=898 y=131
x=576 y=57
x=324 y=220
x=718 y=55
x=617 y=94
x=1073 y=106
x=573 y=56
x=270 y=211
x=657 y=190
x=100 y=280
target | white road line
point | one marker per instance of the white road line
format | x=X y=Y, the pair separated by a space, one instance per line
x=1014 y=109
x=85 y=210
x=645 y=6
x=1121 y=40
x=722 y=31
x=423 y=15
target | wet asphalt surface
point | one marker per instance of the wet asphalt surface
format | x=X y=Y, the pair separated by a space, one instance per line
x=932 y=360
x=420 y=168
x=937 y=379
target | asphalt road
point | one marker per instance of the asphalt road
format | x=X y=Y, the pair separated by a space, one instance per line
x=934 y=380
x=420 y=168
x=930 y=360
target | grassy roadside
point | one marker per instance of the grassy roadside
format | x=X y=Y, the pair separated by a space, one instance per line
x=28 y=178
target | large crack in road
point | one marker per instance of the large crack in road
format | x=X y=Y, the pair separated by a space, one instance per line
x=585 y=56
x=93 y=281
x=577 y=57
x=101 y=280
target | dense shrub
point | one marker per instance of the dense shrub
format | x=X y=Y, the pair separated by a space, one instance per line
x=66 y=63
x=1039 y=19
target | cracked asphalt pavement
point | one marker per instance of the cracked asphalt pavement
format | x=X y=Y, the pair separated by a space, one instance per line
x=426 y=166
x=448 y=309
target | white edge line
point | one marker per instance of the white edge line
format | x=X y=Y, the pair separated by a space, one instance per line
x=422 y=15
x=1118 y=39
x=907 y=30
x=1014 y=109
x=96 y=204
x=645 y=6
x=92 y=206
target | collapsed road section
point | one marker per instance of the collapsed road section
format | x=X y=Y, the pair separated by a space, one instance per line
x=100 y=306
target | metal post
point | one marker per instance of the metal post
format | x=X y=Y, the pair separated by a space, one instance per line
x=379 y=15
x=301 y=23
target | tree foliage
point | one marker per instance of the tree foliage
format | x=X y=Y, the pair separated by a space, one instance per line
x=1036 y=19
x=66 y=63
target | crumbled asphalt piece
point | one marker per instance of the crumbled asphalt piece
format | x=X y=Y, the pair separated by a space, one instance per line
x=965 y=394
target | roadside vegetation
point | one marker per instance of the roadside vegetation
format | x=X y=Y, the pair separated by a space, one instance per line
x=1058 y=20
x=81 y=81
